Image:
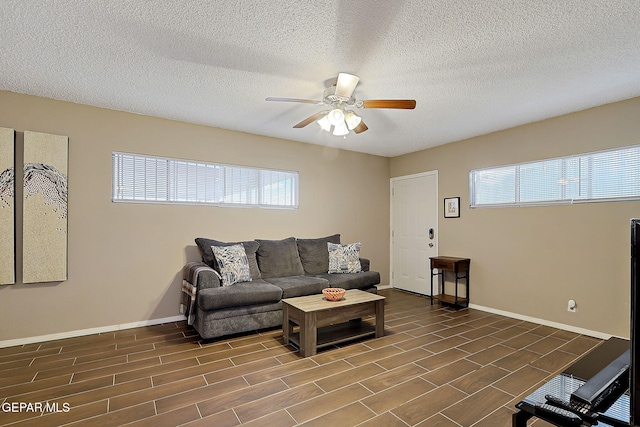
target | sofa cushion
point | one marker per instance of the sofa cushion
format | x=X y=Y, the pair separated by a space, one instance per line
x=344 y=258
x=247 y=293
x=234 y=266
x=250 y=248
x=231 y=314
x=279 y=258
x=314 y=253
x=297 y=286
x=362 y=280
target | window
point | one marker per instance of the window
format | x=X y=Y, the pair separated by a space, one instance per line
x=138 y=178
x=612 y=175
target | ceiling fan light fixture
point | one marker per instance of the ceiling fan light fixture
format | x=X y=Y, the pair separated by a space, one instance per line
x=352 y=120
x=324 y=123
x=340 y=129
x=336 y=117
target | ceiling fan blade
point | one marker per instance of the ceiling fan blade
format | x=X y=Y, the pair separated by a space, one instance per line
x=360 y=128
x=309 y=120
x=405 y=104
x=305 y=101
x=345 y=85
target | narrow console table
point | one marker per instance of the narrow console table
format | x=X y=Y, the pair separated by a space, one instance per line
x=460 y=268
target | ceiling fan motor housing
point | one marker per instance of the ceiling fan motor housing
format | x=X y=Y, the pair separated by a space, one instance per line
x=329 y=96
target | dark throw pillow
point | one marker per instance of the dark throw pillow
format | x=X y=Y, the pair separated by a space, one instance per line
x=314 y=254
x=279 y=258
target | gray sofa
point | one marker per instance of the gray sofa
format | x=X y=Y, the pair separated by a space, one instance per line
x=279 y=269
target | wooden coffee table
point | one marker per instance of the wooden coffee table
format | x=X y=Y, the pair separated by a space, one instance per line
x=323 y=323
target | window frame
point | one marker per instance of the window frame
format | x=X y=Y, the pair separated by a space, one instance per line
x=585 y=182
x=180 y=182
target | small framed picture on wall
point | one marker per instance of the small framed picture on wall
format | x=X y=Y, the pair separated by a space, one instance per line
x=452 y=207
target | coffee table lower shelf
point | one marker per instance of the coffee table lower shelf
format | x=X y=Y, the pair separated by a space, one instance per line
x=336 y=334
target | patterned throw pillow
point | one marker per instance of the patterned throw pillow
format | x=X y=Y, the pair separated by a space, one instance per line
x=233 y=262
x=344 y=258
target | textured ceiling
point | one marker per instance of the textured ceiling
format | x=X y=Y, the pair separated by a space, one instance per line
x=473 y=67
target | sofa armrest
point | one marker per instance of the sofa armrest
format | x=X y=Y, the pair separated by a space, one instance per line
x=364 y=264
x=208 y=278
x=201 y=275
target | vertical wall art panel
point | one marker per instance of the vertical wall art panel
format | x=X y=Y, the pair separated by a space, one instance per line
x=7 y=209
x=44 y=239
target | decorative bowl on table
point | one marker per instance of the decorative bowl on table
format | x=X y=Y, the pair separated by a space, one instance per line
x=333 y=294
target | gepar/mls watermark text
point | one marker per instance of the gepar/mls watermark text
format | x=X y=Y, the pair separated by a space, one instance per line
x=40 y=407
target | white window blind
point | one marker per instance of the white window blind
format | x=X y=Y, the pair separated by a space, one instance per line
x=140 y=178
x=612 y=175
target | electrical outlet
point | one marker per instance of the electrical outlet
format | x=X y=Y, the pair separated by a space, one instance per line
x=572 y=306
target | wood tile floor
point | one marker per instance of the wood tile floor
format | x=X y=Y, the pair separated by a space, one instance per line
x=434 y=367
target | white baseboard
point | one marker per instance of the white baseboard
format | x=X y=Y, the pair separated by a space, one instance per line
x=539 y=321
x=103 y=329
x=384 y=286
x=91 y=331
x=544 y=322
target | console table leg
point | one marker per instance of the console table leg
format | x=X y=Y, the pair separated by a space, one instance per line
x=455 y=301
x=431 y=286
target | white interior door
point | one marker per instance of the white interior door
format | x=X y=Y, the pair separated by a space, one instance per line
x=414 y=230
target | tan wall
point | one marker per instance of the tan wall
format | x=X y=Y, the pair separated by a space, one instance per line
x=531 y=261
x=125 y=260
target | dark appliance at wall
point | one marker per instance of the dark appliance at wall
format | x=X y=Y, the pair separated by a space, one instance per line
x=634 y=369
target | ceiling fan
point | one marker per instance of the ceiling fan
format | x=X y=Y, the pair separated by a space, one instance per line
x=339 y=120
